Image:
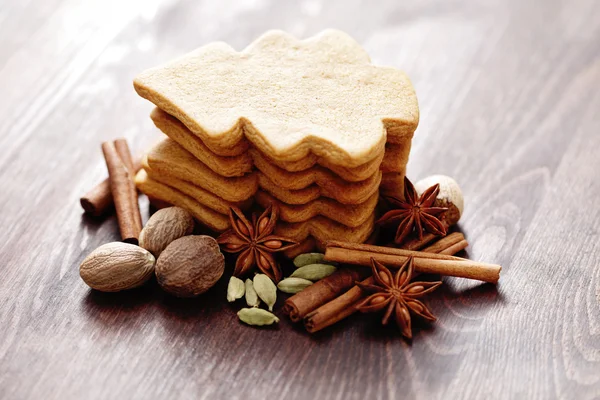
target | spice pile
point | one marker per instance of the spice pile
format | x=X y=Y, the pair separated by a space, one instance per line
x=283 y=149
x=327 y=287
x=339 y=292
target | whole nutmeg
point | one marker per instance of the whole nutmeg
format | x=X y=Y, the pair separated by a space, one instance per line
x=165 y=226
x=190 y=266
x=449 y=196
x=117 y=266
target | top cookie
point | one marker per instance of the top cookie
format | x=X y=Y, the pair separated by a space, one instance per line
x=288 y=97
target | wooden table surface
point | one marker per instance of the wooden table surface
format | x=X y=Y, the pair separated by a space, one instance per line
x=509 y=94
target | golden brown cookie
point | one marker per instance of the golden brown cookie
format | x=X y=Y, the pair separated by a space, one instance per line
x=301 y=196
x=392 y=184
x=288 y=98
x=242 y=163
x=202 y=196
x=348 y=215
x=169 y=159
x=318 y=175
x=228 y=166
x=343 y=194
x=396 y=157
x=214 y=220
x=324 y=229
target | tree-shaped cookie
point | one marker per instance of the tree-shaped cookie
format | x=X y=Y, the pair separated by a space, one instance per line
x=287 y=97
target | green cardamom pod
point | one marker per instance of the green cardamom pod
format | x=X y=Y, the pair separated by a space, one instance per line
x=235 y=289
x=256 y=316
x=307 y=259
x=314 y=272
x=265 y=289
x=251 y=297
x=293 y=285
x=311 y=258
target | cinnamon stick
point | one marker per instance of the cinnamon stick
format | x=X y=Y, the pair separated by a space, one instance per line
x=336 y=310
x=455 y=248
x=125 y=155
x=369 y=248
x=98 y=200
x=343 y=306
x=126 y=203
x=322 y=292
x=327 y=289
x=445 y=243
x=347 y=253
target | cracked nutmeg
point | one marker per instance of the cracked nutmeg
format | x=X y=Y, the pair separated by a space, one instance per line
x=398 y=295
x=254 y=242
x=415 y=213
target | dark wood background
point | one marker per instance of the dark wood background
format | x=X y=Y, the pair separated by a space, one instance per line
x=510 y=103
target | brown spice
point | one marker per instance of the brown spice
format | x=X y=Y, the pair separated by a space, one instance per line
x=327 y=289
x=98 y=200
x=351 y=253
x=255 y=242
x=383 y=250
x=415 y=213
x=416 y=243
x=123 y=189
x=397 y=294
x=190 y=265
x=343 y=306
x=123 y=149
x=322 y=292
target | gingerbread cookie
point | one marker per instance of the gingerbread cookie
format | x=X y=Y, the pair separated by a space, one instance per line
x=288 y=98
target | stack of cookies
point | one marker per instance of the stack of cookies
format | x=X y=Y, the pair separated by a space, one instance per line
x=309 y=125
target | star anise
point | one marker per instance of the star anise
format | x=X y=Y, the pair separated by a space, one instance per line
x=255 y=242
x=415 y=213
x=398 y=294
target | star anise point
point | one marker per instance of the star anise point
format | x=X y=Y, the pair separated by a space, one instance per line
x=397 y=294
x=255 y=242
x=415 y=213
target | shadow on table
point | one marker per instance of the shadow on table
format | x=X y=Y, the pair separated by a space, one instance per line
x=126 y=301
x=150 y=303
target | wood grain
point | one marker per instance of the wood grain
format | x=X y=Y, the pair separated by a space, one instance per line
x=509 y=93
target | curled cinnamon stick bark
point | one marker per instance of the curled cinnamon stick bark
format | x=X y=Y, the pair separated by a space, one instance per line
x=392 y=251
x=343 y=306
x=350 y=253
x=123 y=150
x=321 y=292
x=98 y=200
x=336 y=310
x=121 y=183
x=455 y=248
x=443 y=245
